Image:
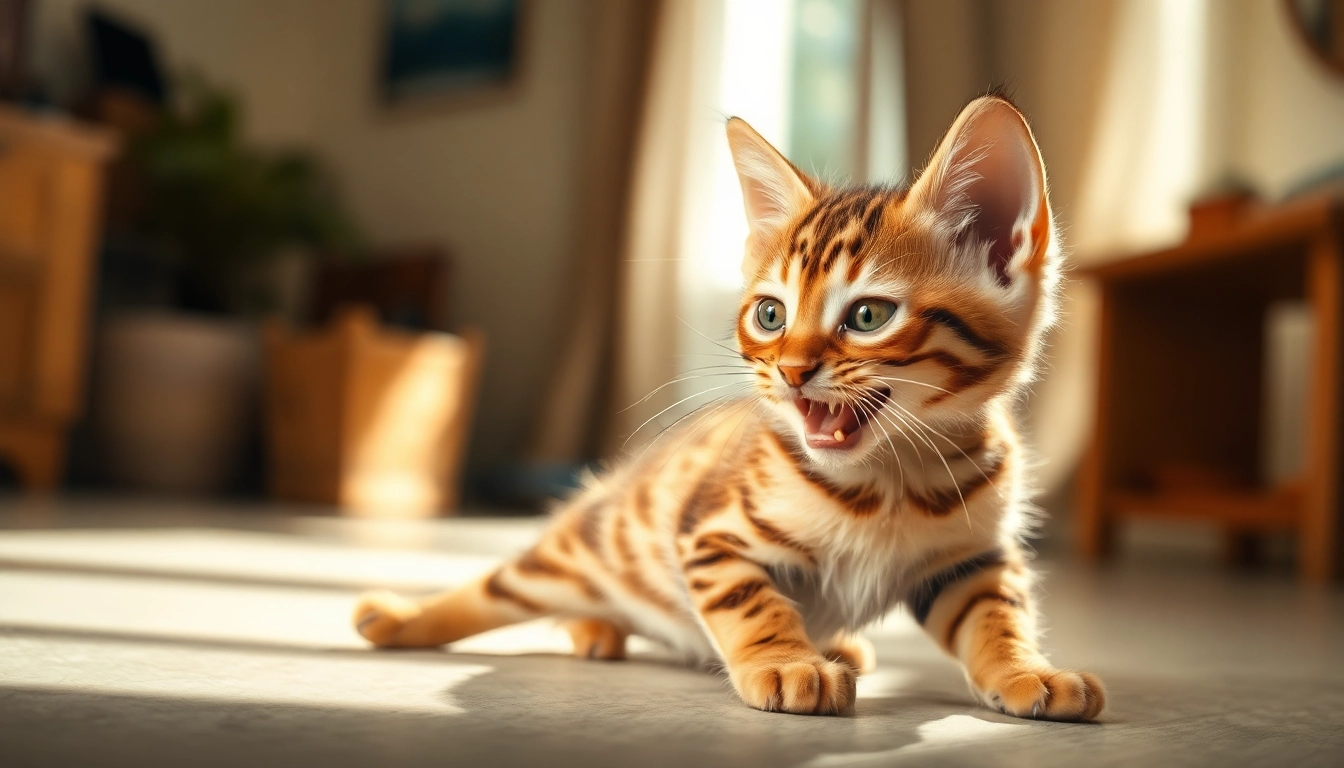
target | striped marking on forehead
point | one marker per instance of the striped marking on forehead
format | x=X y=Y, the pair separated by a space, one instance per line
x=837 y=224
x=833 y=234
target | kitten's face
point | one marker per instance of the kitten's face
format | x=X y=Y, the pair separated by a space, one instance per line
x=876 y=319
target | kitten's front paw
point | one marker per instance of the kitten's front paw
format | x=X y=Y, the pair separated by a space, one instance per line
x=379 y=616
x=813 y=687
x=1048 y=694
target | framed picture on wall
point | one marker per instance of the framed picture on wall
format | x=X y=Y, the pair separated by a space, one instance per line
x=442 y=49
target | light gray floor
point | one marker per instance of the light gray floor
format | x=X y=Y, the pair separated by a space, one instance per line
x=153 y=634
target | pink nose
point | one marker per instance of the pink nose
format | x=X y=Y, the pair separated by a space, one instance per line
x=798 y=375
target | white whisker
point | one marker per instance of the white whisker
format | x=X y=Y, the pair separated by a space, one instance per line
x=958 y=449
x=950 y=474
x=872 y=419
x=696 y=428
x=669 y=383
x=911 y=381
x=706 y=338
x=679 y=402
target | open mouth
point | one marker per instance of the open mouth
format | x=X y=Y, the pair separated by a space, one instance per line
x=836 y=426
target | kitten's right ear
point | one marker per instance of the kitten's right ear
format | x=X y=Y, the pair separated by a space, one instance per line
x=773 y=190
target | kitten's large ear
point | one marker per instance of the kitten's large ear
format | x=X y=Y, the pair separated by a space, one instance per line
x=773 y=190
x=986 y=182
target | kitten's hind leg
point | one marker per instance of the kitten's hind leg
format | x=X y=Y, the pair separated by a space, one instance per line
x=597 y=639
x=530 y=587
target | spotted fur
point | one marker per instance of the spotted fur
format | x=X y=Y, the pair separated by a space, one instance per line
x=753 y=538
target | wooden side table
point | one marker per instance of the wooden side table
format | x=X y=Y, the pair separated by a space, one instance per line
x=1178 y=410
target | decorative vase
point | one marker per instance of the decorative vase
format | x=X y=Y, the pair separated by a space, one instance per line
x=174 y=400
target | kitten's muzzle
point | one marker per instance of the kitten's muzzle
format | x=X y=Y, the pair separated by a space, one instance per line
x=836 y=425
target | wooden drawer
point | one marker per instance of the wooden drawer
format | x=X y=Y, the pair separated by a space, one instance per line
x=16 y=315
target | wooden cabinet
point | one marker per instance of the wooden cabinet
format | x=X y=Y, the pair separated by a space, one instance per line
x=50 y=198
x=1181 y=355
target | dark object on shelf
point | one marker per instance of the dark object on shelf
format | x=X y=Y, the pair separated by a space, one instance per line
x=13 y=31
x=124 y=58
x=403 y=285
x=1217 y=213
x=1181 y=355
x=1320 y=26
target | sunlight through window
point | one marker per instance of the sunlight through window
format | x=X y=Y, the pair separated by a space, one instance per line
x=753 y=84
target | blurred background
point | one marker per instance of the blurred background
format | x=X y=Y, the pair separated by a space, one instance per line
x=415 y=257
x=300 y=297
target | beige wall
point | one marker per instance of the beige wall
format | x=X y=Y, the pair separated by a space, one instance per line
x=1289 y=112
x=1272 y=115
x=495 y=181
x=1048 y=54
x=262 y=48
x=946 y=64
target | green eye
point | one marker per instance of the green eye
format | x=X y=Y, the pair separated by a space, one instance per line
x=870 y=314
x=770 y=314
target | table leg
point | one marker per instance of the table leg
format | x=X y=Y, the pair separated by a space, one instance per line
x=1319 y=532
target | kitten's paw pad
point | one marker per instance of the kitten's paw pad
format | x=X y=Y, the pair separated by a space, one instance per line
x=379 y=616
x=597 y=639
x=815 y=687
x=856 y=651
x=1049 y=695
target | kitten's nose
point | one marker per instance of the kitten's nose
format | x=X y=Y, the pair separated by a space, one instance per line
x=798 y=375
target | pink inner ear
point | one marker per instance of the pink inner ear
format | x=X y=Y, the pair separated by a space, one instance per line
x=995 y=217
x=994 y=225
x=1006 y=187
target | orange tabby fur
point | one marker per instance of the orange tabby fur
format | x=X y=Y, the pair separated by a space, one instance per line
x=758 y=538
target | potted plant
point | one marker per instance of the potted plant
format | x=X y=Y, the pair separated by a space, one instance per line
x=212 y=217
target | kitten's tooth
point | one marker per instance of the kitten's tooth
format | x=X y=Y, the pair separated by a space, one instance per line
x=839 y=436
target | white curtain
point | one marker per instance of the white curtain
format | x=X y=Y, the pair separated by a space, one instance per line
x=1147 y=154
x=717 y=58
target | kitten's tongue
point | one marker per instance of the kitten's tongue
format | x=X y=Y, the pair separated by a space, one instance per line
x=825 y=428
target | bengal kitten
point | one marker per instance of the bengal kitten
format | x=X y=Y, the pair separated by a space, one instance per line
x=889 y=332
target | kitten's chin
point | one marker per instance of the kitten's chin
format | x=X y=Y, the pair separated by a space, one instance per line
x=840 y=463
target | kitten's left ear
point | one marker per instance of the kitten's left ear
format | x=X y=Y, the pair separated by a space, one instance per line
x=986 y=181
x=773 y=190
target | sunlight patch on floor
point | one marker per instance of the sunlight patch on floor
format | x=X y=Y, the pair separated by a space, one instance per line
x=151 y=607
x=950 y=731
x=242 y=676
x=241 y=555
x=167 y=610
